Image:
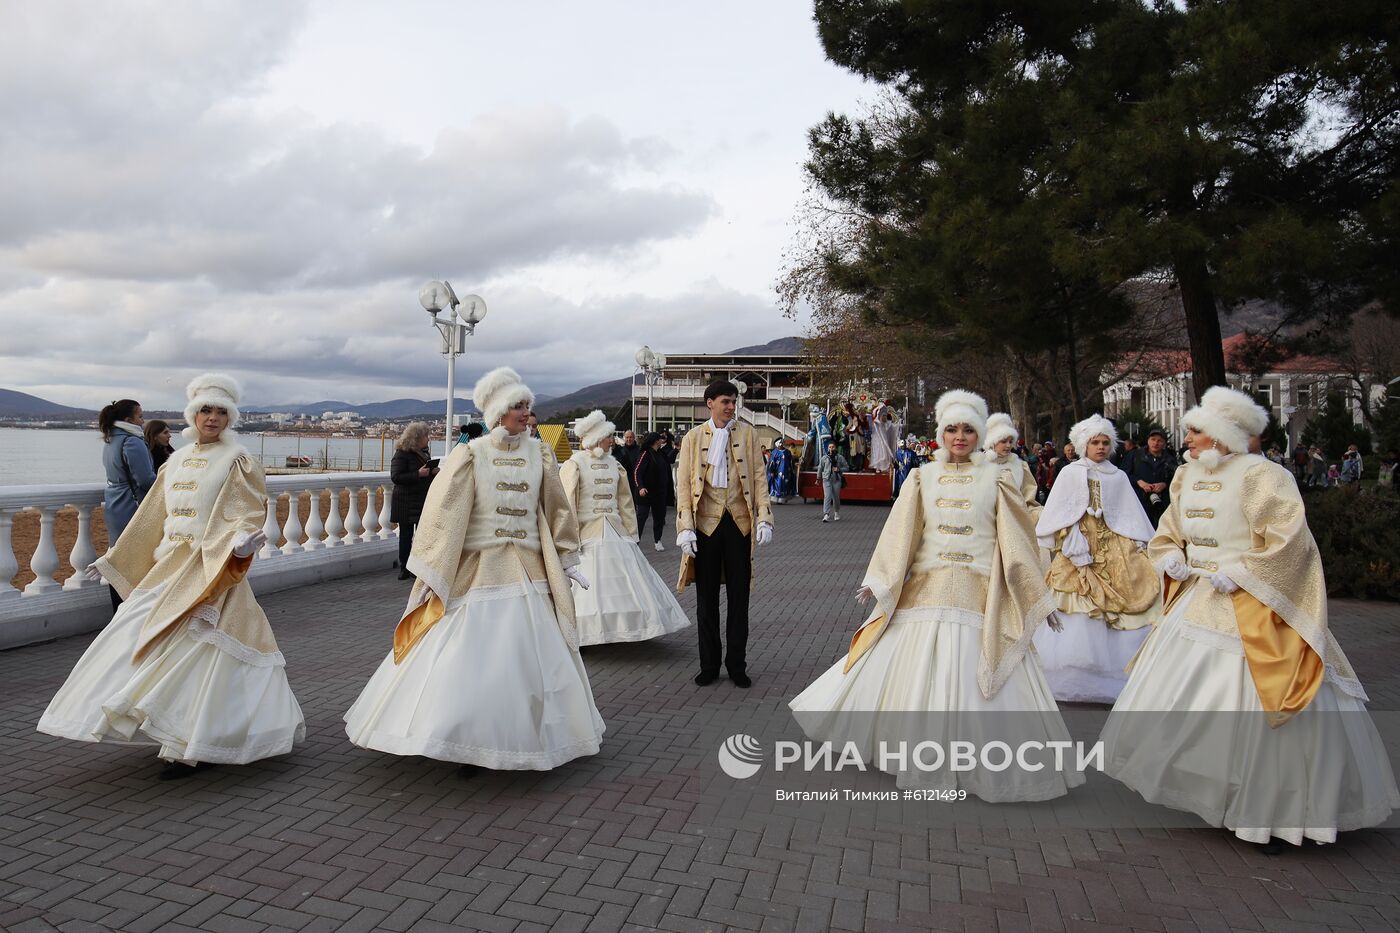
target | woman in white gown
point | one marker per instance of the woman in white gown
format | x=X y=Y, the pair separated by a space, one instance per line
x=188 y=663
x=485 y=669
x=627 y=600
x=1105 y=587
x=1241 y=706
x=958 y=593
x=1001 y=438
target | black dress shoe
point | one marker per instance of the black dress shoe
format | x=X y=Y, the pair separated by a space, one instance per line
x=405 y=575
x=705 y=678
x=177 y=770
x=740 y=679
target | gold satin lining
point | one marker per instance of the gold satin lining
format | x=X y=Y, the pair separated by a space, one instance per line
x=415 y=625
x=1286 y=671
x=861 y=641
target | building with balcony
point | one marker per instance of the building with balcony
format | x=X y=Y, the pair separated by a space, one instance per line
x=777 y=387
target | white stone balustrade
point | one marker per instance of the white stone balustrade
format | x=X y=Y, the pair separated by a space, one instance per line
x=332 y=548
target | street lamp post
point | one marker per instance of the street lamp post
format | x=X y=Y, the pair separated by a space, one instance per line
x=651 y=363
x=462 y=318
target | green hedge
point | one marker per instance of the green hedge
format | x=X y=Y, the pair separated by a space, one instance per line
x=1357 y=528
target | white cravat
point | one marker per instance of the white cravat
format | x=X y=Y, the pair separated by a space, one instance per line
x=718 y=457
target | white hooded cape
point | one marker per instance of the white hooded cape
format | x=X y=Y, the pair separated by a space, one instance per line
x=1069 y=500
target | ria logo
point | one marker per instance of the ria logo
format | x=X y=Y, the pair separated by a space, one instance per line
x=740 y=756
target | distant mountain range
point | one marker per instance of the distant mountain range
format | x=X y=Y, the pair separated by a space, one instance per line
x=609 y=396
x=23 y=405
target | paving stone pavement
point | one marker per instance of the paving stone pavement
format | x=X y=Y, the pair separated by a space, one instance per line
x=332 y=837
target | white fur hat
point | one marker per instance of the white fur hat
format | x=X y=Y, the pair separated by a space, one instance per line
x=499 y=391
x=1229 y=417
x=1091 y=427
x=215 y=389
x=959 y=406
x=593 y=428
x=999 y=428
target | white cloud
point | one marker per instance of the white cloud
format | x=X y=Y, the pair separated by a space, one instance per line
x=262 y=187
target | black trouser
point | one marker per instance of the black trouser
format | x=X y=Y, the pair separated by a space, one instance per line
x=726 y=551
x=655 y=506
x=405 y=542
x=116 y=597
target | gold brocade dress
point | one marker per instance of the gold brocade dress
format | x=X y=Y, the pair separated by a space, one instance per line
x=1105 y=607
x=1119 y=588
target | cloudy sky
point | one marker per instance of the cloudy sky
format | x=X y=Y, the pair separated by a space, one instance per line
x=262 y=188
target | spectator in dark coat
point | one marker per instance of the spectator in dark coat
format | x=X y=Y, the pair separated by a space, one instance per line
x=669 y=447
x=627 y=453
x=412 y=472
x=158 y=442
x=656 y=488
x=1151 y=475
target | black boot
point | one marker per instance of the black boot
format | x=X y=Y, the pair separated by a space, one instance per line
x=178 y=770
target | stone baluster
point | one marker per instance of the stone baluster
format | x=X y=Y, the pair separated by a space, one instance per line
x=353 y=526
x=371 y=515
x=83 y=552
x=270 y=528
x=291 y=528
x=335 y=530
x=386 y=492
x=314 y=527
x=9 y=566
x=45 y=559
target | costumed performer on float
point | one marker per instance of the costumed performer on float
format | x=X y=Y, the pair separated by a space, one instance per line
x=817 y=437
x=884 y=436
x=627 y=600
x=906 y=461
x=1241 y=706
x=188 y=662
x=945 y=655
x=1106 y=590
x=781 y=471
x=485 y=669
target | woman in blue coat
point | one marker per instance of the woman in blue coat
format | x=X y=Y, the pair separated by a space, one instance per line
x=127 y=462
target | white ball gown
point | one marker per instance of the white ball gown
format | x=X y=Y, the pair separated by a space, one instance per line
x=626 y=601
x=485 y=669
x=922 y=669
x=188 y=663
x=1242 y=707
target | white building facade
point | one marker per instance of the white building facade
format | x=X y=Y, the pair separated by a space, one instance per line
x=1294 y=390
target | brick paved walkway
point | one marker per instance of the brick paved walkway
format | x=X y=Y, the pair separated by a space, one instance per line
x=332 y=837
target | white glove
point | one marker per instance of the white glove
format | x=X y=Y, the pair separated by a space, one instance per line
x=1223 y=583
x=92 y=573
x=864 y=594
x=686 y=542
x=1076 y=547
x=573 y=573
x=249 y=543
x=765 y=533
x=1176 y=568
